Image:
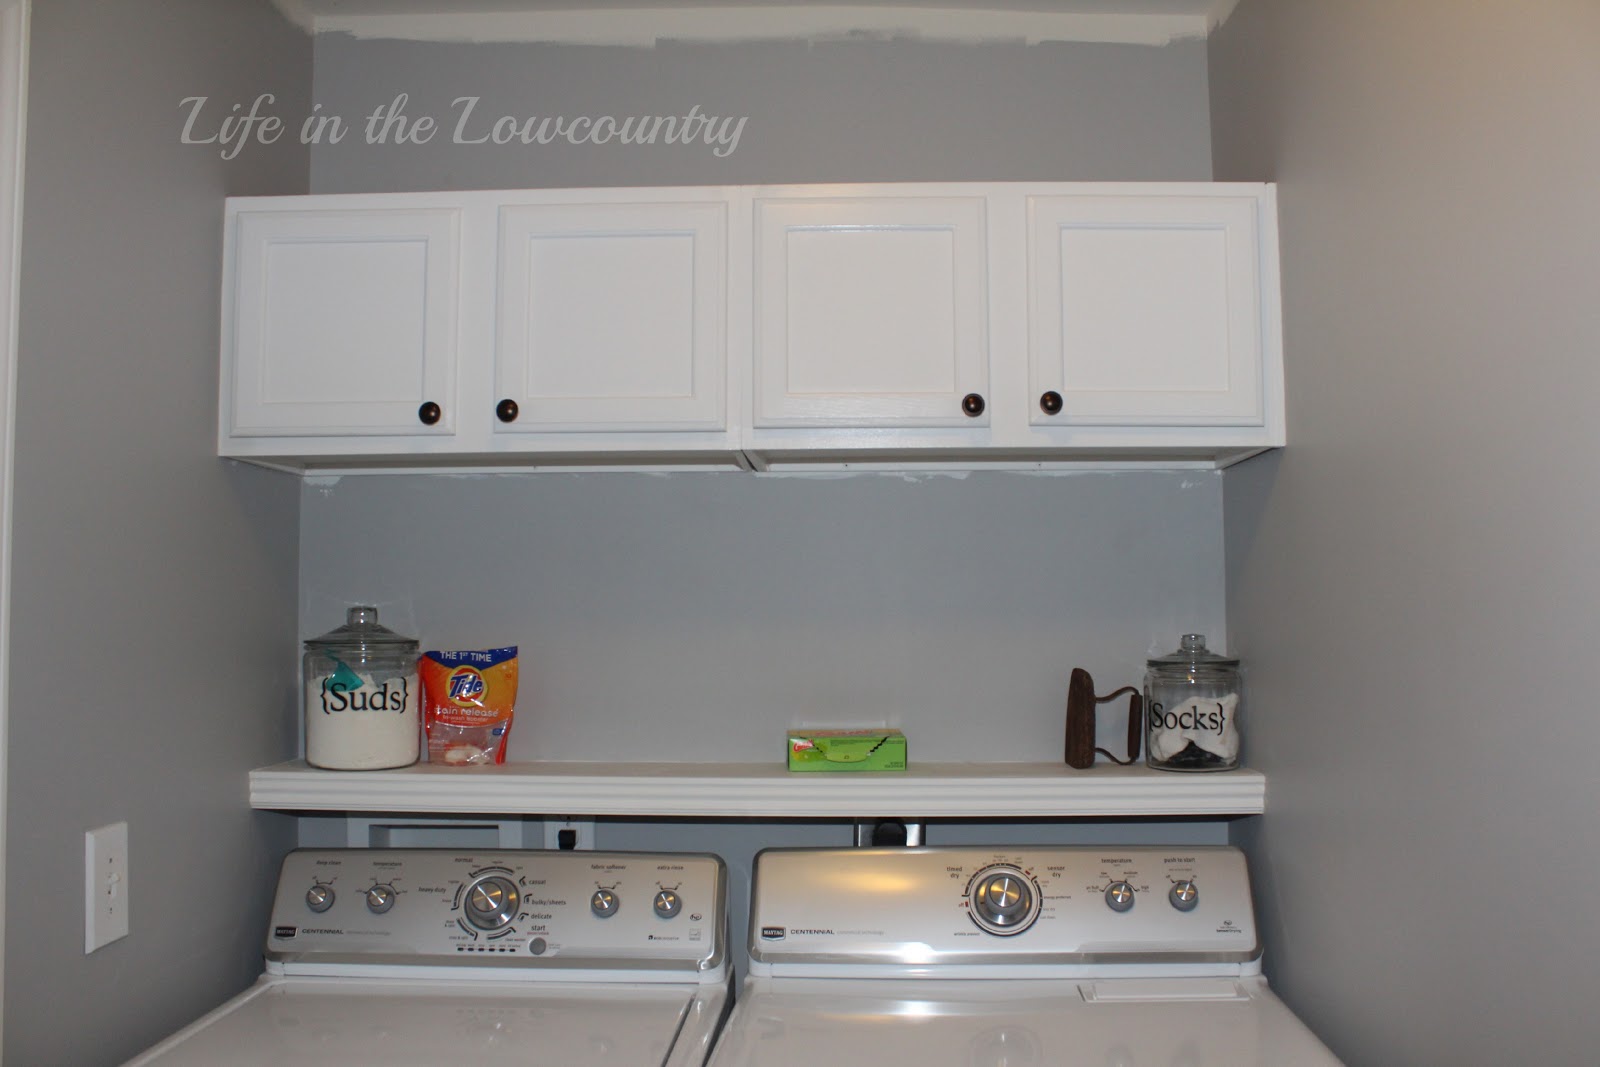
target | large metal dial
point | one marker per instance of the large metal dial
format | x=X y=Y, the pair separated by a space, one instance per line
x=380 y=898
x=667 y=903
x=1004 y=901
x=1119 y=896
x=492 y=902
x=1184 y=895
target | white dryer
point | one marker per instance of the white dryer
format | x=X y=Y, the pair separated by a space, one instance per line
x=424 y=957
x=1008 y=957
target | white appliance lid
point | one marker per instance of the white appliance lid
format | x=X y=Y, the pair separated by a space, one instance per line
x=322 y=1022
x=803 y=1022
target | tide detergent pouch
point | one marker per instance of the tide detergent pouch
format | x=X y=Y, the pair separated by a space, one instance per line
x=468 y=701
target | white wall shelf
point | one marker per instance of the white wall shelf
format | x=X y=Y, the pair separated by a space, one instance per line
x=760 y=790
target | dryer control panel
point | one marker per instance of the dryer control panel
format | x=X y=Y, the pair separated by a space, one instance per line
x=524 y=910
x=918 y=910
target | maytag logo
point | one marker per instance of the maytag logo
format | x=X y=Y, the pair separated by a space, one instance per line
x=283 y=933
x=772 y=933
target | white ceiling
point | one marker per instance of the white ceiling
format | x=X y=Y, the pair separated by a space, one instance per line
x=643 y=22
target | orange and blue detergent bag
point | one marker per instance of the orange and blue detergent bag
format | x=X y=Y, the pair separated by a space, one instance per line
x=468 y=701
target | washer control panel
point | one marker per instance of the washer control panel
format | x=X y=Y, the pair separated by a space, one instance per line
x=926 y=907
x=627 y=911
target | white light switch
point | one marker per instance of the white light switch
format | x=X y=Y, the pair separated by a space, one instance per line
x=105 y=885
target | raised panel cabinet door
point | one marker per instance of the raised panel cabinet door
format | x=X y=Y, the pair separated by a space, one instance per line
x=612 y=317
x=343 y=323
x=871 y=311
x=1145 y=310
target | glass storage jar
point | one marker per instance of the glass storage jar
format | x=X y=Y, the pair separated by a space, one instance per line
x=361 y=697
x=1192 y=702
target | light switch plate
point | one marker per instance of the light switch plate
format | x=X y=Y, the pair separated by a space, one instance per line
x=105 y=886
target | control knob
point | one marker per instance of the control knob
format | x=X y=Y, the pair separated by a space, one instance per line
x=319 y=898
x=492 y=902
x=604 y=903
x=1119 y=896
x=668 y=903
x=1004 y=901
x=380 y=898
x=1184 y=895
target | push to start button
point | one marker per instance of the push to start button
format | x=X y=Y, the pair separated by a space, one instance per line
x=537 y=946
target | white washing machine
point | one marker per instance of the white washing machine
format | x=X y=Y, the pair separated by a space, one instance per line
x=427 y=957
x=1010 y=957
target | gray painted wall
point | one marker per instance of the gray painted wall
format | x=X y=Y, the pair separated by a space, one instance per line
x=856 y=111
x=1414 y=578
x=153 y=616
x=698 y=616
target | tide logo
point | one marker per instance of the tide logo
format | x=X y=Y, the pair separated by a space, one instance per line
x=466 y=687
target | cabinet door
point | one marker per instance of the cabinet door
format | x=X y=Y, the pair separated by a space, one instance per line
x=612 y=317
x=870 y=311
x=342 y=323
x=1146 y=310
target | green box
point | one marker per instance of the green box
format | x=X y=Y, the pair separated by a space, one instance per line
x=847 y=750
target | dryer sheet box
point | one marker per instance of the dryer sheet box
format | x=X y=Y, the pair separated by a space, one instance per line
x=847 y=750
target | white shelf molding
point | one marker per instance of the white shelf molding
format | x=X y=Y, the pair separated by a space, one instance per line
x=762 y=791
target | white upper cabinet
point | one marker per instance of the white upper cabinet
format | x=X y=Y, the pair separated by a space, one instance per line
x=341 y=323
x=776 y=327
x=612 y=317
x=870 y=311
x=1146 y=310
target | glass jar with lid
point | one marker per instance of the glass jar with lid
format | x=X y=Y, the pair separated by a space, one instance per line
x=1192 y=703
x=361 y=696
